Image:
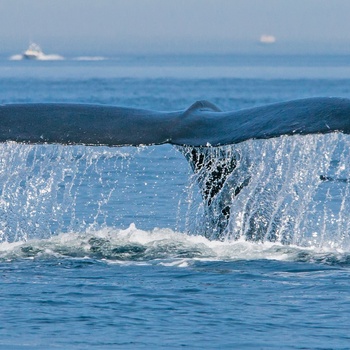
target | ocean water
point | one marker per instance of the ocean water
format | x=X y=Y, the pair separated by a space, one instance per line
x=108 y=248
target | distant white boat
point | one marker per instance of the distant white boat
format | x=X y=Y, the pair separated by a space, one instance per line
x=33 y=52
x=267 y=39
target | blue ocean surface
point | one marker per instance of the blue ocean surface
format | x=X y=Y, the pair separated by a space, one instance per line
x=107 y=248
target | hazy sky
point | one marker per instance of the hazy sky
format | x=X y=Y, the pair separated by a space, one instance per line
x=118 y=26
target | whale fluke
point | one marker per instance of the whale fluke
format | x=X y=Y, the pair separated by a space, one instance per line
x=202 y=124
x=195 y=131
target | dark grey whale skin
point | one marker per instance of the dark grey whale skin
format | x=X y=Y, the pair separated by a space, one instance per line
x=203 y=124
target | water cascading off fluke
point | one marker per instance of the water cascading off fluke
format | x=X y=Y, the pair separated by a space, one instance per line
x=291 y=189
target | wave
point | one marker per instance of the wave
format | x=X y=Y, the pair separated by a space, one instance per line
x=162 y=247
x=42 y=57
x=89 y=58
x=51 y=58
x=16 y=58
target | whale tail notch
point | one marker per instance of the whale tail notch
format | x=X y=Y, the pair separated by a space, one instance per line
x=202 y=106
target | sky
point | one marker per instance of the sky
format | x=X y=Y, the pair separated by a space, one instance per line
x=109 y=27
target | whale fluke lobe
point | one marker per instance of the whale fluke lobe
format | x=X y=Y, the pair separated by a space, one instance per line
x=203 y=133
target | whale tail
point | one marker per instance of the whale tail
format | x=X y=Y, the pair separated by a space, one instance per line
x=207 y=137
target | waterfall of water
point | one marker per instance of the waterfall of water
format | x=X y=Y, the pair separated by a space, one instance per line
x=293 y=190
x=52 y=188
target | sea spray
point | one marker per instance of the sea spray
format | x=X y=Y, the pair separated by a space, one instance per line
x=133 y=246
x=45 y=189
x=292 y=190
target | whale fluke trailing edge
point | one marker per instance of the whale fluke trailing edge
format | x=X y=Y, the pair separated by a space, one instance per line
x=194 y=130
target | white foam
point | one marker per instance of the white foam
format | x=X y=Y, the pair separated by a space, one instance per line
x=15 y=57
x=52 y=57
x=89 y=58
x=158 y=246
x=41 y=57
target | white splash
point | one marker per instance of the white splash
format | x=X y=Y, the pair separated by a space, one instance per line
x=159 y=246
x=296 y=191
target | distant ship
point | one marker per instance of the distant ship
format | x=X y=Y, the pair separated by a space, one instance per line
x=33 y=52
x=267 y=39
